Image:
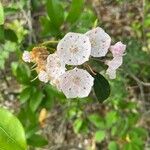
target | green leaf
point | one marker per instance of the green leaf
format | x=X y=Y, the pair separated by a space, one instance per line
x=55 y=12
x=100 y=136
x=1 y=33
x=12 y=136
x=127 y=146
x=112 y=145
x=10 y=35
x=77 y=125
x=85 y=22
x=141 y=132
x=23 y=73
x=84 y=128
x=111 y=118
x=14 y=66
x=54 y=91
x=10 y=10
x=1 y=14
x=35 y=5
x=101 y=87
x=131 y=146
x=36 y=99
x=37 y=140
x=10 y=46
x=97 y=120
x=29 y=119
x=48 y=29
x=31 y=130
x=25 y=94
x=75 y=11
x=114 y=130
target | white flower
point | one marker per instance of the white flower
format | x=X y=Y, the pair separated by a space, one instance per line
x=54 y=67
x=118 y=49
x=74 y=49
x=55 y=82
x=76 y=83
x=100 y=42
x=26 y=56
x=111 y=72
x=113 y=65
x=43 y=76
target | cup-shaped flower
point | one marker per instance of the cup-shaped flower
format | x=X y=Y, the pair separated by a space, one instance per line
x=26 y=56
x=113 y=65
x=76 y=83
x=54 y=66
x=43 y=76
x=74 y=49
x=100 y=42
x=118 y=49
x=111 y=73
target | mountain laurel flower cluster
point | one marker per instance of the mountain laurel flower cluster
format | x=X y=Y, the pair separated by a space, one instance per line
x=65 y=68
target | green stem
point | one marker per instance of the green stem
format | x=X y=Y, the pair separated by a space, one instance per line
x=51 y=49
x=49 y=42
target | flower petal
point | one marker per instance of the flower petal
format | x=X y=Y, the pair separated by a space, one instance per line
x=118 y=49
x=100 y=42
x=76 y=83
x=43 y=76
x=54 y=67
x=113 y=65
x=26 y=56
x=74 y=49
x=111 y=73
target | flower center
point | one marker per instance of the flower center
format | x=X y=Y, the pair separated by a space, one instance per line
x=58 y=64
x=76 y=80
x=93 y=42
x=73 y=49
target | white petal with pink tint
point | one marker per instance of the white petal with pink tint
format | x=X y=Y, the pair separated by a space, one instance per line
x=43 y=76
x=118 y=49
x=74 y=49
x=111 y=73
x=100 y=42
x=54 y=67
x=113 y=65
x=76 y=83
x=26 y=56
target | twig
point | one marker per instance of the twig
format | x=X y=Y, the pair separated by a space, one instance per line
x=139 y=83
x=28 y=18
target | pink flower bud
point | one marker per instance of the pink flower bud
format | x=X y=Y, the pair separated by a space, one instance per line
x=118 y=49
x=26 y=56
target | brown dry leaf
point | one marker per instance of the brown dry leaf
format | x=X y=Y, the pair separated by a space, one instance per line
x=39 y=56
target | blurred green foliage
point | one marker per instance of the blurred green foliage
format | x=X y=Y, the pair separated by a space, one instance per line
x=117 y=123
x=8 y=132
